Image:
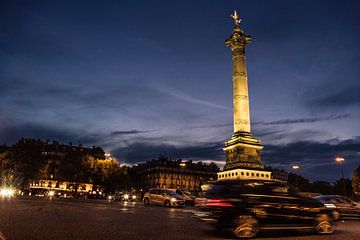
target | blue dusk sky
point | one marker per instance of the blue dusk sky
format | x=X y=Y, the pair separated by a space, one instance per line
x=143 y=78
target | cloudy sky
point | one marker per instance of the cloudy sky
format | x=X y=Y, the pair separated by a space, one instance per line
x=142 y=78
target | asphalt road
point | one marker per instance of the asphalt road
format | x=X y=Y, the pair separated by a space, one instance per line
x=97 y=219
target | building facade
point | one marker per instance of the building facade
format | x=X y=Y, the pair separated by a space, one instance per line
x=164 y=173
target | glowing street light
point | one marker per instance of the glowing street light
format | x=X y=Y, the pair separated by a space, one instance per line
x=295 y=167
x=340 y=160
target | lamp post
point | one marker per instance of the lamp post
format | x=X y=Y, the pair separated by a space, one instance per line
x=340 y=161
x=107 y=156
x=296 y=168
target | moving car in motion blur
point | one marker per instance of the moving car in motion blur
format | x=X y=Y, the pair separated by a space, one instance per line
x=188 y=197
x=249 y=206
x=341 y=207
x=165 y=197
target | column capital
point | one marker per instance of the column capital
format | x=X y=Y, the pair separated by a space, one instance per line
x=238 y=40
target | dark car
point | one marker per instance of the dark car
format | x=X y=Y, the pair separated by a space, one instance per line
x=247 y=206
x=342 y=207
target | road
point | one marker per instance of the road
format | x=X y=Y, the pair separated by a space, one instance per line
x=97 y=219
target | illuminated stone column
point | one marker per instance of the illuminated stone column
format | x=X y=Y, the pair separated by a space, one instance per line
x=237 y=43
x=243 y=151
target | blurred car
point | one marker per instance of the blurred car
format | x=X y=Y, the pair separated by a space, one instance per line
x=111 y=197
x=342 y=207
x=165 y=197
x=130 y=197
x=249 y=206
x=188 y=197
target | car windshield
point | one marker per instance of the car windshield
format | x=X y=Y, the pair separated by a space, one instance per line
x=187 y=192
x=169 y=192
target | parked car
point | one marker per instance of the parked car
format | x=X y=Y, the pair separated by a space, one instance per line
x=342 y=207
x=249 y=206
x=165 y=197
x=188 y=197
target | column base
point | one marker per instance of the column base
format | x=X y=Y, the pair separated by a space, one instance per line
x=241 y=173
x=243 y=151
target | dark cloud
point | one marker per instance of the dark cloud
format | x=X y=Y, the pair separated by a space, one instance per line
x=145 y=151
x=305 y=120
x=316 y=158
x=11 y=133
x=214 y=126
x=131 y=132
x=335 y=98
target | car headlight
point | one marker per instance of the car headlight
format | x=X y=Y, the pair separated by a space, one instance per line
x=173 y=199
x=51 y=193
x=329 y=205
x=6 y=192
x=126 y=196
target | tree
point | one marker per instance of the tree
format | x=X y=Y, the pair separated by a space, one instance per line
x=25 y=161
x=6 y=169
x=298 y=182
x=321 y=187
x=356 y=183
x=338 y=187
x=106 y=173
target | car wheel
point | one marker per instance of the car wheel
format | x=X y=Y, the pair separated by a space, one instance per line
x=245 y=227
x=146 y=201
x=167 y=203
x=336 y=215
x=2 y=237
x=324 y=225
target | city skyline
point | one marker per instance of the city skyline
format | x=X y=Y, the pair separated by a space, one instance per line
x=144 y=79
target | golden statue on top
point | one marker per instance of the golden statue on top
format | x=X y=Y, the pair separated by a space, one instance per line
x=236 y=18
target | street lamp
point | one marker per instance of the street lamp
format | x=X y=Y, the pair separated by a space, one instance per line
x=108 y=156
x=340 y=160
x=296 y=168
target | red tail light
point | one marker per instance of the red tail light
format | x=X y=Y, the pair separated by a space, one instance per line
x=218 y=203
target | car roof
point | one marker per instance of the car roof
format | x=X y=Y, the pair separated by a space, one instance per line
x=327 y=196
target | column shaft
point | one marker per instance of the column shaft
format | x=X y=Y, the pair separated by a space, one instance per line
x=240 y=92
